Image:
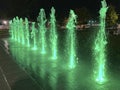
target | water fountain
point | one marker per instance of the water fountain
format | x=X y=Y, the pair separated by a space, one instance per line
x=21 y=28
x=53 y=34
x=53 y=73
x=27 y=33
x=71 y=37
x=11 y=29
x=17 y=29
x=42 y=29
x=14 y=29
x=100 y=46
x=33 y=36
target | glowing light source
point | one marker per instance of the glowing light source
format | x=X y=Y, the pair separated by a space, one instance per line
x=5 y=22
x=34 y=48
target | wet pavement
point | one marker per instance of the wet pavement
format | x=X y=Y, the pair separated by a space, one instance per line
x=12 y=77
x=54 y=74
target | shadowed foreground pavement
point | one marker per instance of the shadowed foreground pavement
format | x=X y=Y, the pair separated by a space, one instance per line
x=12 y=77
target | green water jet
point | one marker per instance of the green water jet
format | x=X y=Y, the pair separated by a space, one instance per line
x=42 y=29
x=71 y=38
x=53 y=34
x=21 y=27
x=100 y=46
x=33 y=36
x=27 y=32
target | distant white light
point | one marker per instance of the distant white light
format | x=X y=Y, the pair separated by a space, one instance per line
x=5 y=22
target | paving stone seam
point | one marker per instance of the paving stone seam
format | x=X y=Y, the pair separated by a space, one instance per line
x=5 y=78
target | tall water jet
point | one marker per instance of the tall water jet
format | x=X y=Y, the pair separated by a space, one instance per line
x=33 y=36
x=53 y=34
x=21 y=27
x=17 y=29
x=11 y=31
x=42 y=29
x=27 y=33
x=14 y=29
x=71 y=37
x=100 y=46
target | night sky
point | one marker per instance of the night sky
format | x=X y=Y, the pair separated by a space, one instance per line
x=30 y=8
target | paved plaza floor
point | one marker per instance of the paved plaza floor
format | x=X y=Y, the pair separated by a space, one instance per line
x=12 y=77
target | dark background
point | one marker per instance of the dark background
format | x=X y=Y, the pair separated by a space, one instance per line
x=30 y=8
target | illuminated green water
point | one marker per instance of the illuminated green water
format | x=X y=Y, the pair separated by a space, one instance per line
x=14 y=29
x=27 y=34
x=17 y=30
x=11 y=29
x=21 y=28
x=71 y=38
x=100 y=46
x=33 y=36
x=53 y=34
x=54 y=74
x=42 y=29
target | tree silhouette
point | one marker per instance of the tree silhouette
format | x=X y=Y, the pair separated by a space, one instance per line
x=112 y=16
x=83 y=15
